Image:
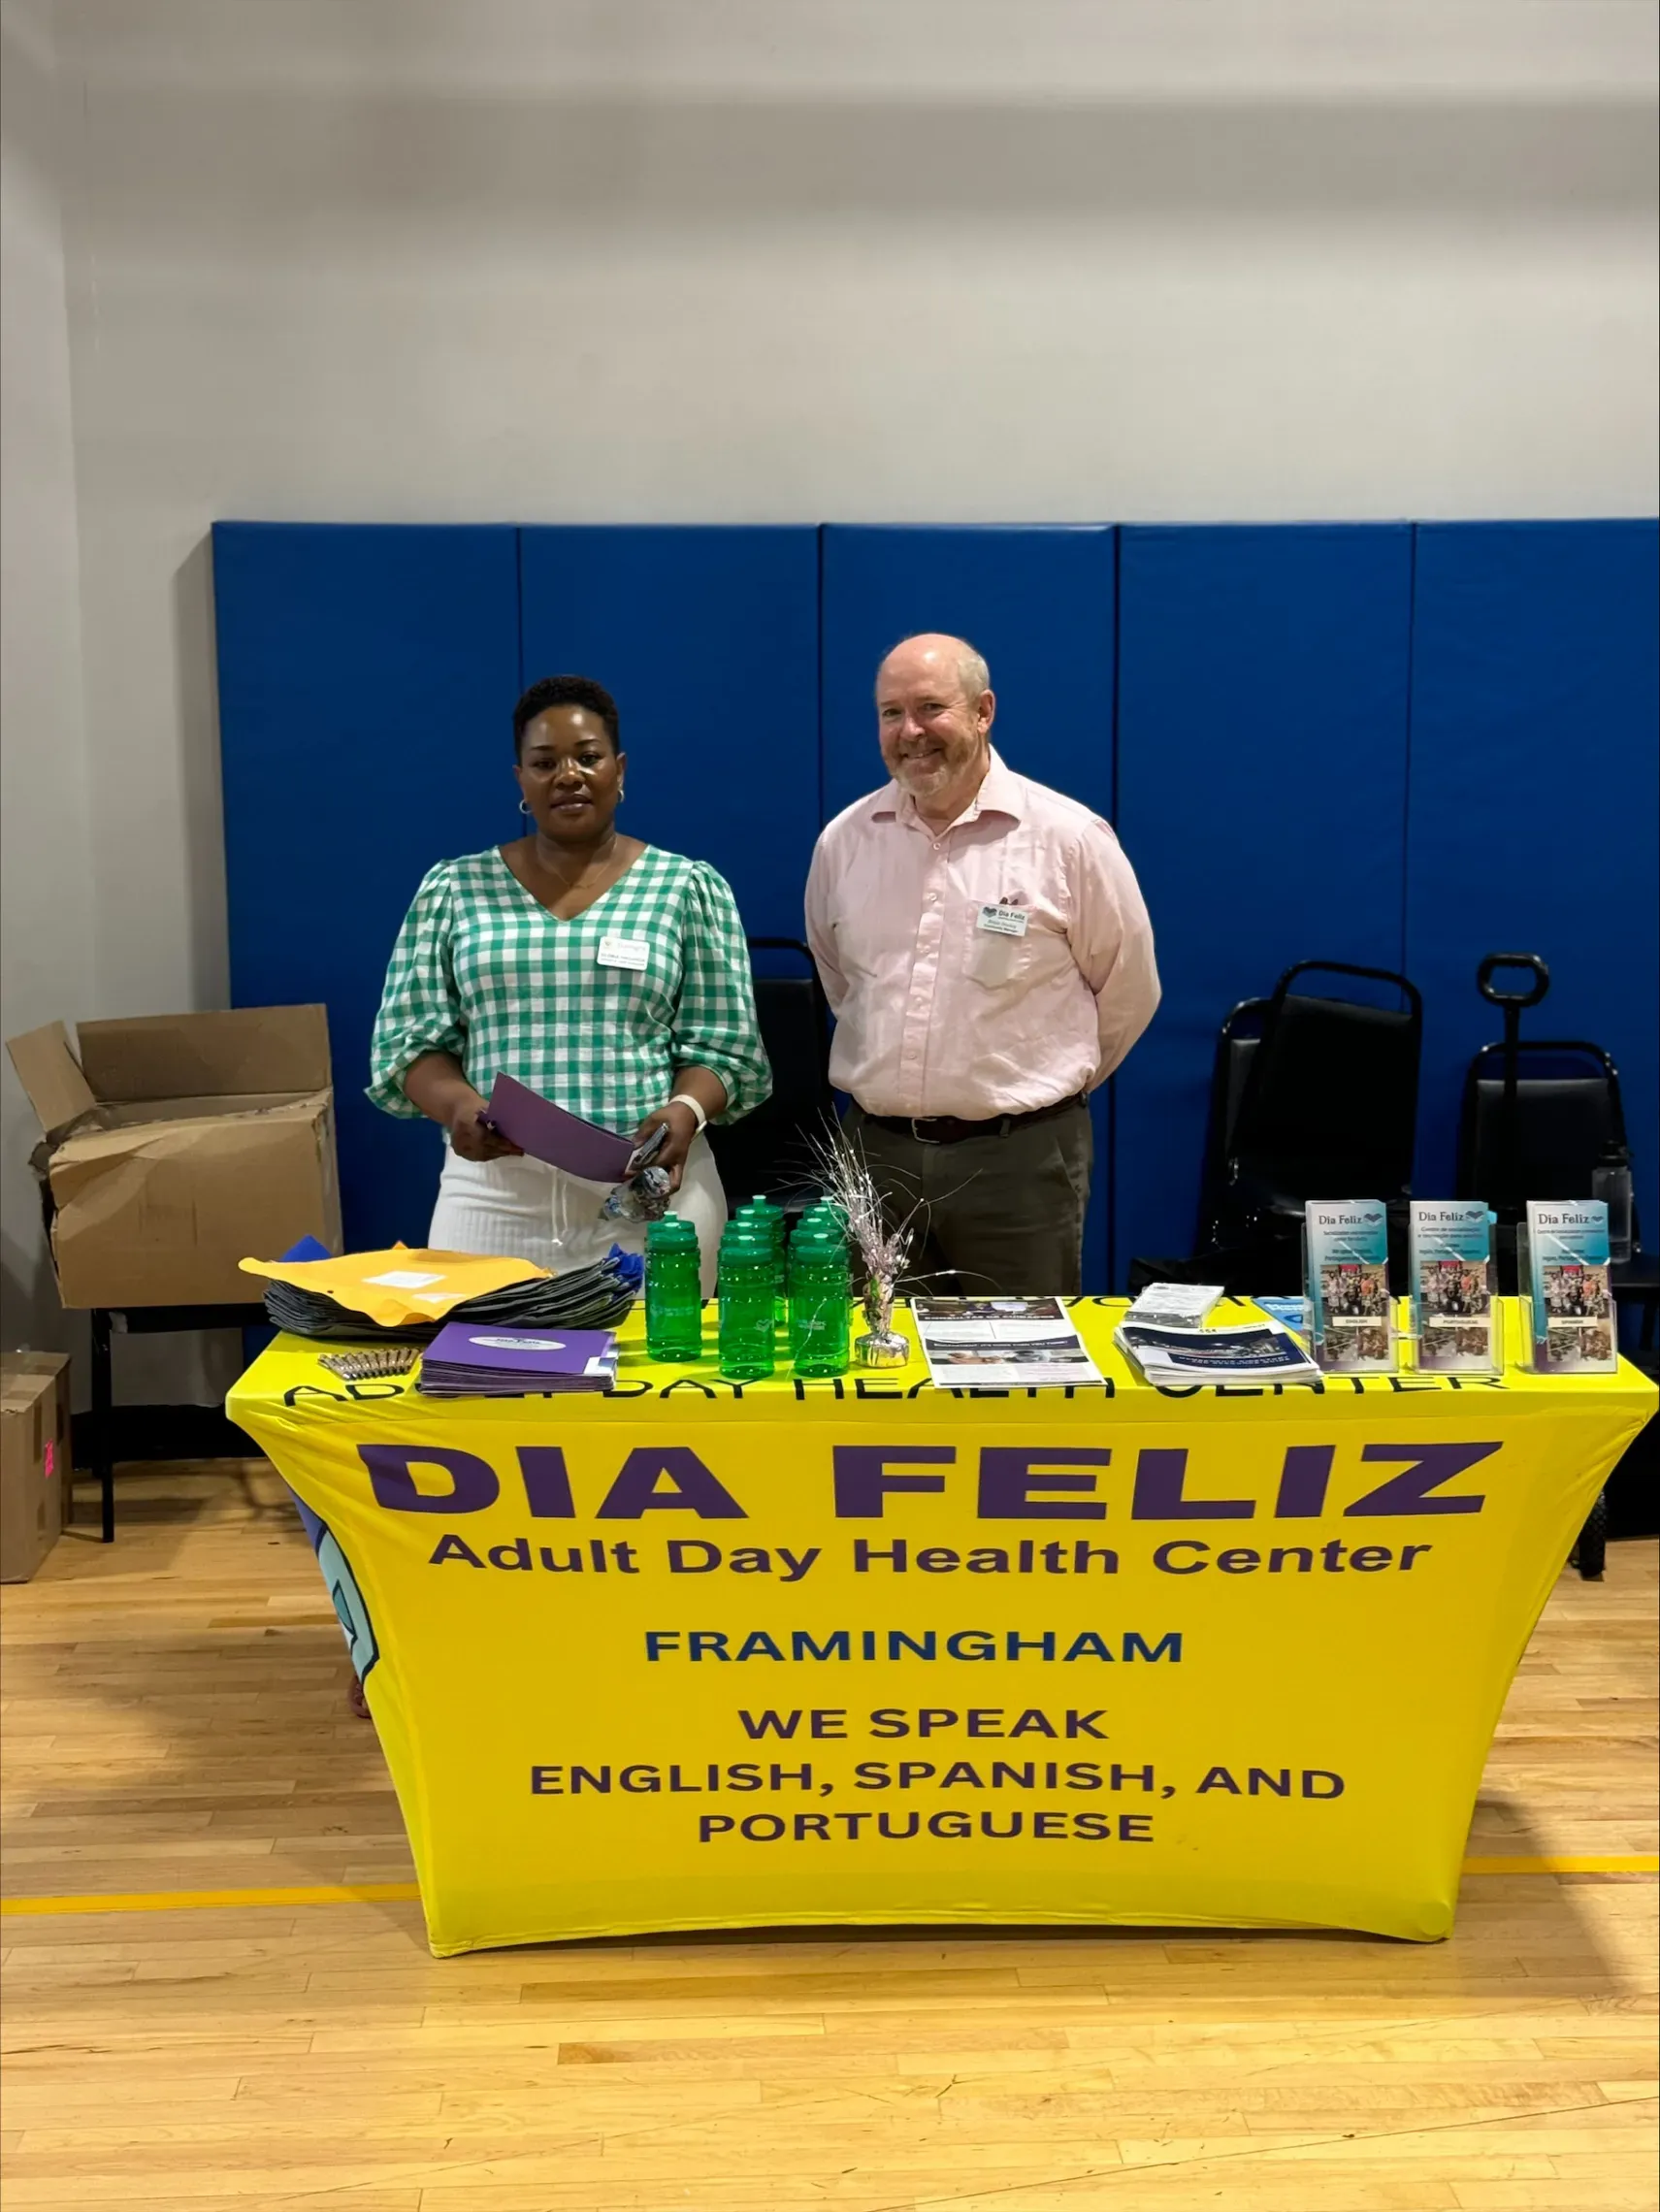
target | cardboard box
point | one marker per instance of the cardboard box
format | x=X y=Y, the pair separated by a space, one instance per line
x=34 y=1459
x=178 y=1145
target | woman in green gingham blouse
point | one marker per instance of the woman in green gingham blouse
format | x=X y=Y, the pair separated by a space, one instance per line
x=608 y=975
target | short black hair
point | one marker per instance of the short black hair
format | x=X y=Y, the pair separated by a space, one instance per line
x=566 y=691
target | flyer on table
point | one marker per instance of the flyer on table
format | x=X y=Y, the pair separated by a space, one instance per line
x=1001 y=1343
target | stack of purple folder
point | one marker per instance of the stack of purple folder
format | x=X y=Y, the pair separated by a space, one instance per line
x=470 y=1359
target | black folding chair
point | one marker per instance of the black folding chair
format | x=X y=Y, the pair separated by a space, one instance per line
x=1312 y=1096
x=1537 y=1116
x=769 y=1153
x=1322 y=1104
x=1539 y=1132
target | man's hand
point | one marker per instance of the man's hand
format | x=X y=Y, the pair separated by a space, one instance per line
x=681 y=1124
x=469 y=1137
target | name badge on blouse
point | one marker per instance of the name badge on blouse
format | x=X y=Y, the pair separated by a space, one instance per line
x=624 y=951
x=1003 y=921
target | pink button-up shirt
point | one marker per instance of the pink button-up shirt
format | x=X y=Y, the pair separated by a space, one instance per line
x=936 y=1015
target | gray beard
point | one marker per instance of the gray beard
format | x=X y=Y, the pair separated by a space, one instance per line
x=925 y=780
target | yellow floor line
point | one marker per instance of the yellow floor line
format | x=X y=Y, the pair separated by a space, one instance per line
x=195 y=1900
x=1618 y=1863
x=404 y=1893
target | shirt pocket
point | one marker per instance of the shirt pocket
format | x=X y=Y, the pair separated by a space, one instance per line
x=994 y=961
x=1040 y=957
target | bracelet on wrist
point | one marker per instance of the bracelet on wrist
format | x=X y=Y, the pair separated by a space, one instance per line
x=685 y=1098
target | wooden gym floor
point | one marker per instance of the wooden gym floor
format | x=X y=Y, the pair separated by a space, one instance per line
x=176 y=1722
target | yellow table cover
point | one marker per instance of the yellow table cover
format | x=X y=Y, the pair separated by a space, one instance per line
x=701 y=1655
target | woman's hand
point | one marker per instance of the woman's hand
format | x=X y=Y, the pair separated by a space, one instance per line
x=437 y=1085
x=681 y=1124
x=469 y=1137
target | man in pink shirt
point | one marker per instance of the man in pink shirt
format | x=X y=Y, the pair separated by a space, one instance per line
x=989 y=959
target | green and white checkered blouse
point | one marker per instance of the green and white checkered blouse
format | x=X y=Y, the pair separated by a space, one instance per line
x=483 y=971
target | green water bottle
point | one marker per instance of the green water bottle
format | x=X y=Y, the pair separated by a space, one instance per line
x=673 y=1291
x=819 y=1298
x=744 y=1288
x=770 y=1219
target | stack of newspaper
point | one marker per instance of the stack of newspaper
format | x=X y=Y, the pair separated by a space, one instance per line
x=1163 y=1334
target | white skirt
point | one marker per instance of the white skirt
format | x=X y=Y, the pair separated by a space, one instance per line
x=522 y=1209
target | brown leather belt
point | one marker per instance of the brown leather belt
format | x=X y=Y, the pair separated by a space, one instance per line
x=951 y=1129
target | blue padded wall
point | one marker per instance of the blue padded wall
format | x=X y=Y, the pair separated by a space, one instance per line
x=366 y=679
x=1256 y=764
x=1262 y=761
x=1534 y=803
x=709 y=640
x=1038 y=604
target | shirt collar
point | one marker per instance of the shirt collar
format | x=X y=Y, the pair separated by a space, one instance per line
x=1001 y=792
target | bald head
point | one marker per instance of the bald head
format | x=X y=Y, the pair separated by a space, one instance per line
x=933 y=718
x=935 y=653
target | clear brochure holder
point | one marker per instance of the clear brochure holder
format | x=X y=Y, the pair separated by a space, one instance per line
x=1455 y=1322
x=1346 y=1290
x=1566 y=1297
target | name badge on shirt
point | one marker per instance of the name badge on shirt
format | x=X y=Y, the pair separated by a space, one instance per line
x=1003 y=921
x=624 y=951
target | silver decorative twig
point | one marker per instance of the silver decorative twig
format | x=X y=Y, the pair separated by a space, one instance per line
x=880 y=1249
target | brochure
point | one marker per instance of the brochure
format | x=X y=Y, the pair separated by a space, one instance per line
x=1257 y=1351
x=1454 y=1314
x=1291 y=1313
x=1001 y=1343
x=1562 y=1271
x=1174 y=1305
x=1346 y=1251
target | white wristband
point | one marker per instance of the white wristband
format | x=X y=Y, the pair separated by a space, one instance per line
x=685 y=1098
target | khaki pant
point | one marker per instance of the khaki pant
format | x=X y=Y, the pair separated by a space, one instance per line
x=994 y=1216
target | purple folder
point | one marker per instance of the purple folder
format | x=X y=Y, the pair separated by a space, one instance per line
x=547 y=1132
x=495 y=1359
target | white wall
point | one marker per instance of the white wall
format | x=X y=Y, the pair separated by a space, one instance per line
x=802 y=259
x=46 y=907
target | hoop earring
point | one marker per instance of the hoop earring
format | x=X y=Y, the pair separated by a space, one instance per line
x=621 y=795
x=523 y=808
